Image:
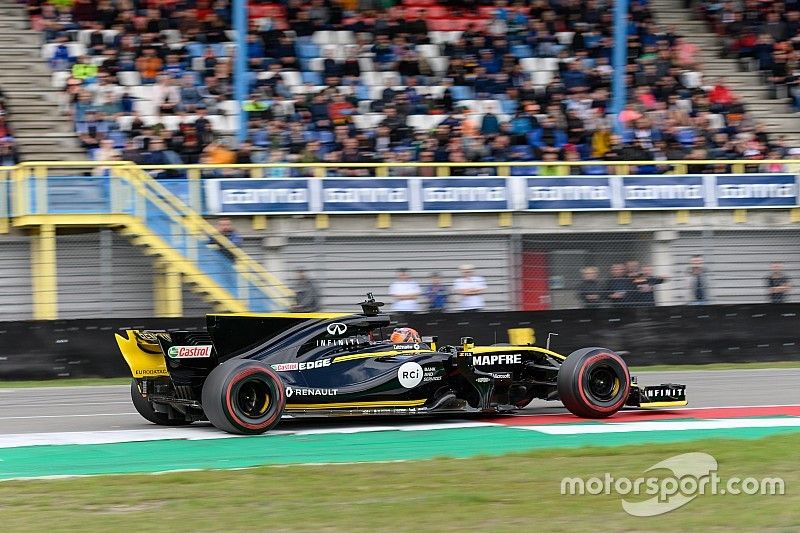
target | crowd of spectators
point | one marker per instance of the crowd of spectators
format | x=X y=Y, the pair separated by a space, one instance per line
x=628 y=285
x=522 y=80
x=765 y=36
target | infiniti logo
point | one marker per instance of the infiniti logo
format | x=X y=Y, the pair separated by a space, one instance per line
x=337 y=328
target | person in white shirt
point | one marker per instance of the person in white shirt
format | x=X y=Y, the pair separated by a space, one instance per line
x=405 y=292
x=471 y=288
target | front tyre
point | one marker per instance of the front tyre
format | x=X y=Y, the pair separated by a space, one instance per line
x=594 y=382
x=243 y=397
x=145 y=408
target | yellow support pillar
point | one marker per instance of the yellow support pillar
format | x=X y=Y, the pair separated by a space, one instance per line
x=259 y=222
x=383 y=221
x=173 y=293
x=159 y=308
x=44 y=272
x=505 y=219
x=167 y=291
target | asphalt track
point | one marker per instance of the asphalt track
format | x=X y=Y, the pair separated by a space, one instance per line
x=103 y=408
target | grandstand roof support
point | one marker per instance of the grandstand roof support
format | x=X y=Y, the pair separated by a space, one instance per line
x=619 y=61
x=240 y=77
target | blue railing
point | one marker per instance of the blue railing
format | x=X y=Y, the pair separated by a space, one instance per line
x=163 y=213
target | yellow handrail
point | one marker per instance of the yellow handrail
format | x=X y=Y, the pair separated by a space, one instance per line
x=195 y=222
x=175 y=210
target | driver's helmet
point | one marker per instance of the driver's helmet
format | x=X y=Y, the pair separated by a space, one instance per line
x=400 y=335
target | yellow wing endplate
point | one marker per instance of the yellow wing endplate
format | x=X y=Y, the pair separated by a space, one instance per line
x=143 y=364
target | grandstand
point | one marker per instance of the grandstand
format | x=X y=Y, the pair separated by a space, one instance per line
x=499 y=91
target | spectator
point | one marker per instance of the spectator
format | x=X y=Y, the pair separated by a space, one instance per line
x=698 y=283
x=590 y=290
x=778 y=284
x=644 y=283
x=226 y=229
x=436 y=293
x=618 y=287
x=405 y=292
x=149 y=65
x=305 y=293
x=471 y=288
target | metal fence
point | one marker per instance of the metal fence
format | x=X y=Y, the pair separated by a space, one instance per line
x=444 y=261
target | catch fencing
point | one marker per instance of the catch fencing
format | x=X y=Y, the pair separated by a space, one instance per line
x=538 y=242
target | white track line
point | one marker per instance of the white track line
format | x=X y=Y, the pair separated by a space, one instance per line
x=720 y=423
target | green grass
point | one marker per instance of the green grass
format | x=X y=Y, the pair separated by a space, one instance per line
x=65 y=382
x=717 y=366
x=507 y=493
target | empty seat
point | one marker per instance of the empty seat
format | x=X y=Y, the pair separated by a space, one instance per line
x=529 y=64
x=316 y=64
x=129 y=78
x=195 y=49
x=291 y=77
x=565 y=37
x=229 y=107
x=548 y=63
x=424 y=122
x=372 y=78
x=521 y=50
x=198 y=64
x=439 y=65
x=171 y=122
x=428 y=50
x=376 y=92
x=322 y=37
x=366 y=64
x=542 y=77
x=59 y=79
x=368 y=121
x=344 y=37
x=461 y=92
x=314 y=78
x=307 y=50
x=110 y=35
x=125 y=122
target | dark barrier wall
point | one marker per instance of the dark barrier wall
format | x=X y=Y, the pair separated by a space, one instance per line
x=645 y=336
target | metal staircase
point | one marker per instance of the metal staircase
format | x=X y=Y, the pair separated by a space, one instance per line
x=186 y=249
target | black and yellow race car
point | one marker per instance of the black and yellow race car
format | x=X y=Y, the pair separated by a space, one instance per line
x=248 y=370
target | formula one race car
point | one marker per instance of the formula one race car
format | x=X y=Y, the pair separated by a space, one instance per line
x=248 y=370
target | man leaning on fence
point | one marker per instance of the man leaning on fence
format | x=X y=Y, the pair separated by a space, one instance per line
x=778 y=284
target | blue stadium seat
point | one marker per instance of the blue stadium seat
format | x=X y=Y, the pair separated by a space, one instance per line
x=307 y=50
x=521 y=50
x=461 y=92
x=219 y=49
x=362 y=92
x=508 y=107
x=195 y=49
x=314 y=78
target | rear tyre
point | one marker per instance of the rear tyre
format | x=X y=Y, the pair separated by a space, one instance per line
x=244 y=397
x=594 y=382
x=145 y=408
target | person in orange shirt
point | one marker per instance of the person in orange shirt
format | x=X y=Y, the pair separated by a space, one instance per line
x=340 y=110
x=149 y=65
x=218 y=154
